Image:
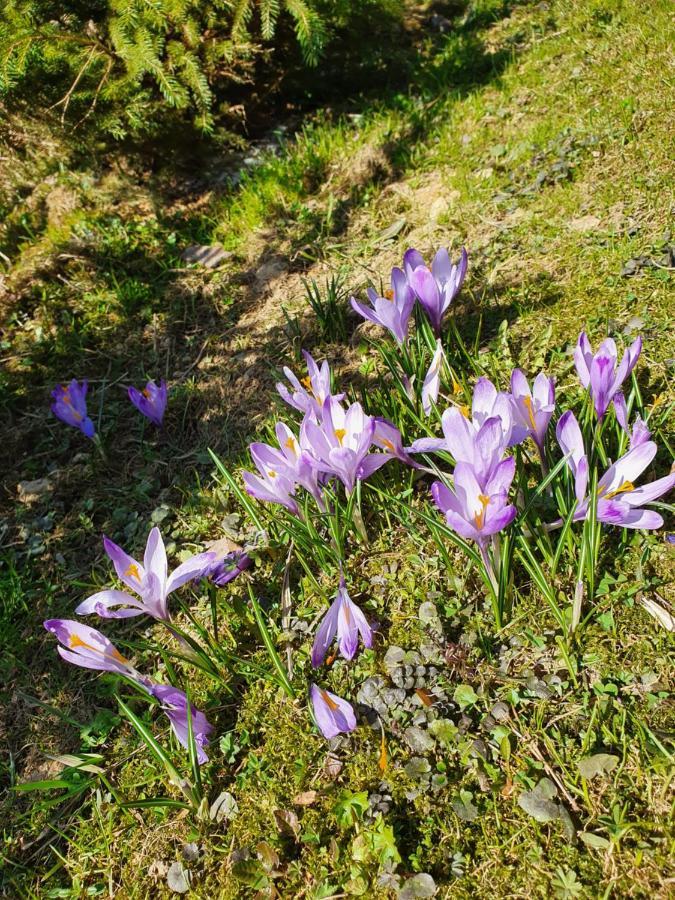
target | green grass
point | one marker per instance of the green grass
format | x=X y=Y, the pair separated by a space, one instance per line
x=534 y=134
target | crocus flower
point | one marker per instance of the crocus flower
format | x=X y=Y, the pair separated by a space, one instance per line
x=532 y=409
x=151 y=401
x=224 y=569
x=392 y=311
x=333 y=714
x=432 y=380
x=388 y=437
x=310 y=394
x=436 y=288
x=344 y=619
x=476 y=511
x=599 y=373
x=70 y=405
x=479 y=441
x=619 y=502
x=640 y=433
x=150 y=581
x=340 y=444
x=87 y=647
x=174 y=704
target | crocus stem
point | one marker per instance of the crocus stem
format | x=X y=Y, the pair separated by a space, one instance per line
x=487 y=562
x=360 y=524
x=99 y=446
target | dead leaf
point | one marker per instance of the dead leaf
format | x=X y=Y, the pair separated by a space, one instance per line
x=658 y=612
x=584 y=223
x=306 y=798
x=287 y=822
x=382 y=762
x=424 y=696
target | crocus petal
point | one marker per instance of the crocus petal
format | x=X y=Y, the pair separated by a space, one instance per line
x=583 y=355
x=103 y=604
x=325 y=634
x=189 y=570
x=333 y=714
x=621 y=410
x=129 y=570
x=154 y=559
x=570 y=439
x=649 y=492
x=627 y=469
x=427 y=445
x=432 y=380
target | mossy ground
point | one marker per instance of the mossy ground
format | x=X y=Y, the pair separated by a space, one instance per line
x=537 y=135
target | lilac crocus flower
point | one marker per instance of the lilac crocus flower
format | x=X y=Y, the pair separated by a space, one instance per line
x=640 y=433
x=174 y=704
x=344 y=619
x=86 y=647
x=480 y=441
x=151 y=401
x=392 y=311
x=599 y=372
x=309 y=395
x=532 y=409
x=333 y=715
x=388 y=438
x=473 y=510
x=432 y=380
x=436 y=288
x=340 y=444
x=70 y=405
x=150 y=581
x=619 y=502
x=224 y=569
x=281 y=470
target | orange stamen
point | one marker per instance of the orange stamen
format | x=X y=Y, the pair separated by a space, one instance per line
x=625 y=488
x=389 y=294
x=76 y=641
x=388 y=444
x=330 y=703
x=479 y=518
x=528 y=403
x=340 y=435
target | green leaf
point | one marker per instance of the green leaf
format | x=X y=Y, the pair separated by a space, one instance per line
x=465 y=696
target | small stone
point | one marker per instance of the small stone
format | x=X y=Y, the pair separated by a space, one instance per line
x=428 y=613
x=418 y=740
x=419 y=887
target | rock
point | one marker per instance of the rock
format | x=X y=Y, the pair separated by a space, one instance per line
x=418 y=740
x=31 y=491
x=208 y=255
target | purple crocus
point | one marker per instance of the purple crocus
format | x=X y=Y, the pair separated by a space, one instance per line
x=619 y=502
x=224 y=569
x=151 y=401
x=479 y=441
x=281 y=470
x=174 y=704
x=86 y=647
x=333 y=715
x=599 y=372
x=388 y=438
x=432 y=380
x=640 y=433
x=392 y=311
x=309 y=395
x=476 y=511
x=344 y=619
x=436 y=288
x=70 y=405
x=340 y=444
x=150 y=581
x=532 y=409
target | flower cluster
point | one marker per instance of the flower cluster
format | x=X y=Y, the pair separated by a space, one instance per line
x=70 y=404
x=151 y=584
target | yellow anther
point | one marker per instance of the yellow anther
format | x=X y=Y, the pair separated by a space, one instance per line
x=464 y=411
x=388 y=294
x=291 y=444
x=624 y=489
x=271 y=473
x=340 y=435
x=456 y=386
x=528 y=403
x=146 y=393
x=76 y=641
x=306 y=383
x=388 y=444
x=132 y=572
